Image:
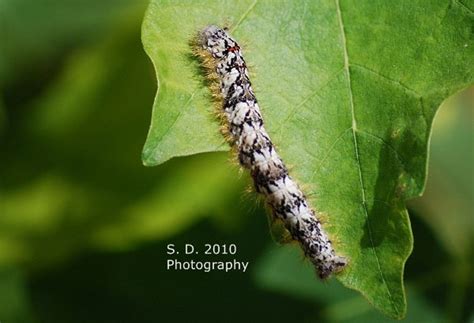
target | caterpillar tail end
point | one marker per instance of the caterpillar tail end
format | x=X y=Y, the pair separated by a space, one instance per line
x=331 y=266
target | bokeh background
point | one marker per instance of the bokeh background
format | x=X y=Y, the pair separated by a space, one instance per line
x=84 y=226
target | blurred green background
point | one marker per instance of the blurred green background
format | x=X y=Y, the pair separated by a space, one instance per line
x=84 y=226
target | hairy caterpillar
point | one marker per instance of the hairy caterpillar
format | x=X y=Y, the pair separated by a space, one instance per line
x=222 y=57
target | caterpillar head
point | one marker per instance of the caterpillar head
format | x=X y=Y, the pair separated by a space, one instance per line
x=216 y=41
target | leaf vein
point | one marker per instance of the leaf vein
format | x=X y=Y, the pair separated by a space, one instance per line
x=395 y=82
x=328 y=152
x=397 y=154
x=462 y=5
x=178 y=115
x=242 y=18
x=309 y=97
x=356 y=148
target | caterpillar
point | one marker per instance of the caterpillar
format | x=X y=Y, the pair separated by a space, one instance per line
x=226 y=69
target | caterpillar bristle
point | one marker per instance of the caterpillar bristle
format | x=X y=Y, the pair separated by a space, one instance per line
x=323 y=218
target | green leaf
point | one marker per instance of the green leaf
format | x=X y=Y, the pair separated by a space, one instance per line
x=348 y=90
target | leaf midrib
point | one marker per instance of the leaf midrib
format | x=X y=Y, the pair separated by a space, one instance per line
x=356 y=149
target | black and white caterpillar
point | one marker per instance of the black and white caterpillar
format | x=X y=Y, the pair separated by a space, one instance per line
x=222 y=57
